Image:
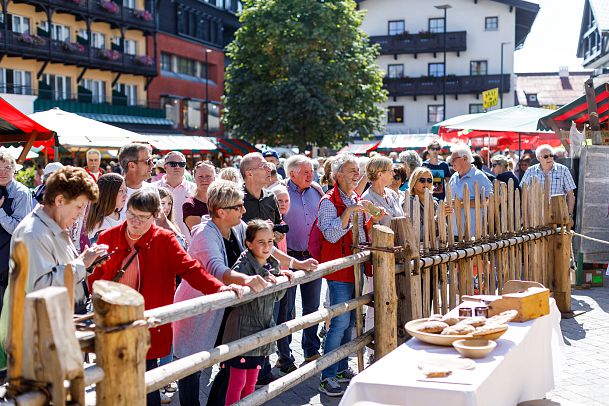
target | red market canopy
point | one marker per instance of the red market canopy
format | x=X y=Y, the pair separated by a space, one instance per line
x=360 y=148
x=577 y=111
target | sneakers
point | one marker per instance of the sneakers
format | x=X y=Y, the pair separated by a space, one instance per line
x=172 y=387
x=345 y=376
x=311 y=358
x=331 y=387
x=288 y=368
x=266 y=380
x=165 y=398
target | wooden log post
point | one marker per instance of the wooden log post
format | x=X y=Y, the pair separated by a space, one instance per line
x=561 y=253
x=120 y=344
x=357 y=275
x=385 y=298
x=408 y=285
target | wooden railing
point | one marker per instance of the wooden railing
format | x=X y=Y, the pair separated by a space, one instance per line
x=518 y=235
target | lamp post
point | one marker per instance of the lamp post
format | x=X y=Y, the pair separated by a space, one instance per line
x=501 y=76
x=207 y=52
x=444 y=7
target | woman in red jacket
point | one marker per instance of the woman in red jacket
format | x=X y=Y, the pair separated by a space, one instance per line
x=148 y=258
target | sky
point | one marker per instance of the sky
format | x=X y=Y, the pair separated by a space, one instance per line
x=552 y=41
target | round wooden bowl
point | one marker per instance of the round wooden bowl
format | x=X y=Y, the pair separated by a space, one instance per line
x=445 y=340
x=474 y=348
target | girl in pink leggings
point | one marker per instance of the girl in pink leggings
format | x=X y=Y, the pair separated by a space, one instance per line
x=256 y=315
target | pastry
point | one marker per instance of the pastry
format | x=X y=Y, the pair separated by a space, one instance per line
x=489 y=328
x=450 y=320
x=474 y=321
x=432 y=326
x=437 y=372
x=458 y=330
x=435 y=317
x=503 y=317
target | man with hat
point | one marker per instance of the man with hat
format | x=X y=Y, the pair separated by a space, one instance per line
x=270 y=155
x=48 y=171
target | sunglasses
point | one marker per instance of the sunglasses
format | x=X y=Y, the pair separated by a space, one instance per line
x=235 y=207
x=435 y=149
x=548 y=156
x=426 y=180
x=495 y=164
x=148 y=161
x=175 y=164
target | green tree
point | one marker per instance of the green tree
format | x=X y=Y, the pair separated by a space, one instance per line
x=302 y=72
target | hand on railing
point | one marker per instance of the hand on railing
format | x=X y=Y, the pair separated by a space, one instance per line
x=306 y=265
x=256 y=283
x=232 y=288
x=288 y=274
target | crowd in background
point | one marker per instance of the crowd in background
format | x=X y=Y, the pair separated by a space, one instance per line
x=174 y=233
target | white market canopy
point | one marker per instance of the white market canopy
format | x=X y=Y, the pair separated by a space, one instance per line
x=177 y=142
x=15 y=152
x=401 y=142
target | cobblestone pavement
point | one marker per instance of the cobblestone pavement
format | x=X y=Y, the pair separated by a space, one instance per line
x=584 y=379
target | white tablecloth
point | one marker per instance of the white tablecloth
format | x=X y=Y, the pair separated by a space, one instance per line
x=523 y=366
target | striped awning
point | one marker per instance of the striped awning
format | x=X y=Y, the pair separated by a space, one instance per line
x=17 y=127
x=360 y=148
x=234 y=146
x=577 y=111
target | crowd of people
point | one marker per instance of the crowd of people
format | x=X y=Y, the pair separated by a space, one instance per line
x=174 y=233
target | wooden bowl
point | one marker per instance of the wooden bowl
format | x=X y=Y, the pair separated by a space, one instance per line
x=474 y=348
x=444 y=340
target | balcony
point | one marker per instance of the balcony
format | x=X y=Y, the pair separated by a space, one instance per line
x=105 y=10
x=420 y=43
x=71 y=53
x=429 y=86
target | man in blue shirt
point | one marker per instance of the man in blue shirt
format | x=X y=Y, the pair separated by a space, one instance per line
x=466 y=173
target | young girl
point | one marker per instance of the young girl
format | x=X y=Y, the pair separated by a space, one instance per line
x=105 y=213
x=165 y=220
x=255 y=316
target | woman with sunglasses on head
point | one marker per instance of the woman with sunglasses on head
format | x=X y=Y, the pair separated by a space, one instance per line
x=420 y=180
x=379 y=171
x=500 y=167
x=147 y=258
x=106 y=212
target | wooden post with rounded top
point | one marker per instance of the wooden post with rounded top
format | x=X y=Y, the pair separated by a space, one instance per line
x=120 y=344
x=385 y=297
x=559 y=216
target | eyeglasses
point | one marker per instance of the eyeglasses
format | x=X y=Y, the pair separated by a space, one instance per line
x=7 y=169
x=264 y=165
x=235 y=207
x=148 y=161
x=175 y=164
x=426 y=180
x=140 y=218
x=548 y=156
x=435 y=149
x=397 y=176
x=496 y=164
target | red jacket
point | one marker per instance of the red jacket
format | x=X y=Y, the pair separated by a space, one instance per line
x=342 y=247
x=160 y=258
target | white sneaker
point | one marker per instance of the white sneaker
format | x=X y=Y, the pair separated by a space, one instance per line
x=165 y=398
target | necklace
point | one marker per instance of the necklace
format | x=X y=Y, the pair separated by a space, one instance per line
x=129 y=235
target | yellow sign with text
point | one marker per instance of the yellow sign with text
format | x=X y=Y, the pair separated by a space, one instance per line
x=490 y=98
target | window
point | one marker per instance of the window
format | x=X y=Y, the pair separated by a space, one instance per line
x=396 y=27
x=21 y=24
x=435 y=113
x=532 y=98
x=128 y=90
x=436 y=25
x=166 y=62
x=130 y=47
x=395 y=71
x=491 y=23
x=97 y=89
x=129 y=3
x=435 y=69
x=477 y=68
x=98 y=40
x=15 y=81
x=192 y=115
x=476 y=108
x=213 y=117
x=82 y=33
x=172 y=109
x=61 y=86
x=395 y=114
x=59 y=32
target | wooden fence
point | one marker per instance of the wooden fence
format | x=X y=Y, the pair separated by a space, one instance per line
x=518 y=234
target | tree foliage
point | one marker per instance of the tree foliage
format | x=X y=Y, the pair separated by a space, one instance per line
x=302 y=72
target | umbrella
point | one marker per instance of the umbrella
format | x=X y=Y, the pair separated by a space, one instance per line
x=76 y=132
x=401 y=142
x=359 y=148
x=15 y=152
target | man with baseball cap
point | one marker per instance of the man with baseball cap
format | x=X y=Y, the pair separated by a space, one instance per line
x=270 y=155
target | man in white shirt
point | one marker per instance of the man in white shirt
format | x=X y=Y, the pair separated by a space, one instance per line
x=182 y=189
x=136 y=161
x=93 y=164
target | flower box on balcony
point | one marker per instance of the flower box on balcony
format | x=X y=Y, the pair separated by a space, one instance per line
x=109 y=6
x=73 y=47
x=144 y=60
x=31 y=39
x=109 y=54
x=143 y=15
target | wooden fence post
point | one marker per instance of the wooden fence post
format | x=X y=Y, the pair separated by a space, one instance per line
x=561 y=254
x=121 y=353
x=385 y=297
x=408 y=286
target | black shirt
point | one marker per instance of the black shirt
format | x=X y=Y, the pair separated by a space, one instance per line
x=232 y=249
x=265 y=208
x=439 y=172
x=506 y=176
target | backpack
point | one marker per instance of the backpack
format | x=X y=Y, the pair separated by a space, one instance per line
x=315 y=238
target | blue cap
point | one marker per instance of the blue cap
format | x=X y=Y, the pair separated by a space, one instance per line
x=270 y=152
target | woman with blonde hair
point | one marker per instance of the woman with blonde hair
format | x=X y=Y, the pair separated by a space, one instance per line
x=420 y=180
x=379 y=171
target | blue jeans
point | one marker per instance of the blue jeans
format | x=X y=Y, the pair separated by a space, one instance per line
x=310 y=293
x=341 y=327
x=285 y=311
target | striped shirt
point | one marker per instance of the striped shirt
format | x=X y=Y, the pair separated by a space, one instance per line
x=561 y=180
x=329 y=221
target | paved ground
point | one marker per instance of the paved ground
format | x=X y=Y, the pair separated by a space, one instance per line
x=585 y=375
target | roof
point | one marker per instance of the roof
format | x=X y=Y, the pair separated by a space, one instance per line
x=551 y=89
x=17 y=127
x=600 y=8
x=120 y=119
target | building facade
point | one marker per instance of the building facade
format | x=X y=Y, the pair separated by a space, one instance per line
x=84 y=56
x=476 y=36
x=550 y=90
x=594 y=36
x=190 y=49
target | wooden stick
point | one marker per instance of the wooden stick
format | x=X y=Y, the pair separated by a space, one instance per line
x=68 y=282
x=385 y=298
x=459 y=217
x=451 y=217
x=408 y=291
x=17 y=284
x=357 y=273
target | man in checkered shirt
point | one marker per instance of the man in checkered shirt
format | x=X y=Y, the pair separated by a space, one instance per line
x=561 y=181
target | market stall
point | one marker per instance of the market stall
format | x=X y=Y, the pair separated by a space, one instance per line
x=403 y=142
x=360 y=147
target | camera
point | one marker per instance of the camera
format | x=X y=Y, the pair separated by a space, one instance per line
x=3 y=192
x=281 y=228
